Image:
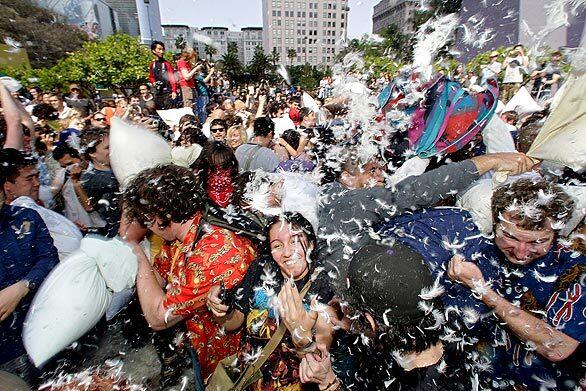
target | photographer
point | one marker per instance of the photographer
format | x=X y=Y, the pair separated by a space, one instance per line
x=515 y=65
x=162 y=77
x=203 y=97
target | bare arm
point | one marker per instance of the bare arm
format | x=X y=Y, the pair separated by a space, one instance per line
x=12 y=115
x=549 y=342
x=151 y=295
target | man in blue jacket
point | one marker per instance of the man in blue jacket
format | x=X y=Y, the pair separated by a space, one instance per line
x=27 y=255
x=522 y=291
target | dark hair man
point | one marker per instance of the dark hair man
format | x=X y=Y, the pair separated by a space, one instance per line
x=27 y=257
x=193 y=259
x=218 y=129
x=161 y=76
x=256 y=155
x=99 y=182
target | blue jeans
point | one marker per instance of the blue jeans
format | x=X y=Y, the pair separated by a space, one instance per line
x=200 y=106
x=196 y=370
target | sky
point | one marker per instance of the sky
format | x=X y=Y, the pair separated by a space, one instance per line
x=235 y=14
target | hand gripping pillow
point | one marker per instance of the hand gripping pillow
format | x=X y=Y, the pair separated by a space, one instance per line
x=75 y=296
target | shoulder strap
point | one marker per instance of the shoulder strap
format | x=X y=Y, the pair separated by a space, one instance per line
x=251 y=156
x=249 y=374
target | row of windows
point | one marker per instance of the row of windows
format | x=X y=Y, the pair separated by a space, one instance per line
x=302 y=4
x=327 y=33
x=303 y=14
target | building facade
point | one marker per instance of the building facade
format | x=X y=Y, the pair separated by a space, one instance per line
x=506 y=22
x=96 y=17
x=398 y=12
x=219 y=37
x=310 y=28
x=173 y=31
x=141 y=18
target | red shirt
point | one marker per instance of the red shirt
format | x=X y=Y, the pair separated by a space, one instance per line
x=190 y=270
x=184 y=65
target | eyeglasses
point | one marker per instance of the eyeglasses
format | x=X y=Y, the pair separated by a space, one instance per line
x=217 y=130
x=100 y=119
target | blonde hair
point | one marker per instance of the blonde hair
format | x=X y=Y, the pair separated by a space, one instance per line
x=240 y=129
x=188 y=54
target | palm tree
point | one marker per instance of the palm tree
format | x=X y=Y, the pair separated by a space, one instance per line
x=275 y=56
x=291 y=54
x=210 y=51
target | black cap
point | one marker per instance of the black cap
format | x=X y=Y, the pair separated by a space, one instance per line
x=386 y=282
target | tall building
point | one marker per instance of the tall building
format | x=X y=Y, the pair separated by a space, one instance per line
x=173 y=31
x=310 y=28
x=95 y=17
x=398 y=12
x=246 y=40
x=251 y=38
x=506 y=21
x=140 y=18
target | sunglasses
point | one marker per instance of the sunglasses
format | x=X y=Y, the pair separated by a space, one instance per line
x=217 y=130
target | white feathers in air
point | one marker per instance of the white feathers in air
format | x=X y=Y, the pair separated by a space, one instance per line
x=282 y=71
x=431 y=37
x=433 y=291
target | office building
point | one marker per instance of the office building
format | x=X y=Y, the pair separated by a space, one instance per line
x=506 y=22
x=398 y=12
x=219 y=37
x=140 y=18
x=171 y=32
x=310 y=28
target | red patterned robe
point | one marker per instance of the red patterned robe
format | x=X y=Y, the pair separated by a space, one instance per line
x=190 y=270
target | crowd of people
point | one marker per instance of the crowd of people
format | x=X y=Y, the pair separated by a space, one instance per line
x=290 y=246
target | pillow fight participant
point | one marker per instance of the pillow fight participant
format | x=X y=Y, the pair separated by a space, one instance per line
x=528 y=281
x=393 y=310
x=28 y=255
x=162 y=78
x=269 y=294
x=218 y=129
x=21 y=188
x=196 y=257
x=350 y=207
x=99 y=182
x=256 y=154
x=217 y=169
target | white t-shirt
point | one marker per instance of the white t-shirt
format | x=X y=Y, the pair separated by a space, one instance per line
x=514 y=72
x=74 y=211
x=66 y=236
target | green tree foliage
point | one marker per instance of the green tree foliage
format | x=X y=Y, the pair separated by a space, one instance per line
x=291 y=54
x=436 y=7
x=306 y=76
x=231 y=64
x=117 y=62
x=275 y=57
x=180 y=42
x=45 y=35
x=259 y=65
x=210 y=51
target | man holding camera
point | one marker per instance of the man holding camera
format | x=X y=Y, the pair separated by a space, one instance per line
x=162 y=77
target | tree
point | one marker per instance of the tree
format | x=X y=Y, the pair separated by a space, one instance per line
x=117 y=62
x=291 y=54
x=397 y=42
x=436 y=7
x=231 y=64
x=210 y=51
x=259 y=64
x=180 y=42
x=45 y=35
x=275 y=56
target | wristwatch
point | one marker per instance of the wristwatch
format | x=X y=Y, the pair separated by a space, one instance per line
x=29 y=285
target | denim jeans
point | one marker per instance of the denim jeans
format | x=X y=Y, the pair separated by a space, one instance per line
x=201 y=103
x=196 y=370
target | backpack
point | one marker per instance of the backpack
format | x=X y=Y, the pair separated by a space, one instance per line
x=450 y=117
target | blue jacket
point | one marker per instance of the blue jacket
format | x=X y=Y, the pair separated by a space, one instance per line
x=26 y=253
x=555 y=282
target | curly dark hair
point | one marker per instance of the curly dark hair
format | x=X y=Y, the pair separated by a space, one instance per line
x=191 y=133
x=215 y=154
x=89 y=140
x=533 y=203
x=167 y=192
